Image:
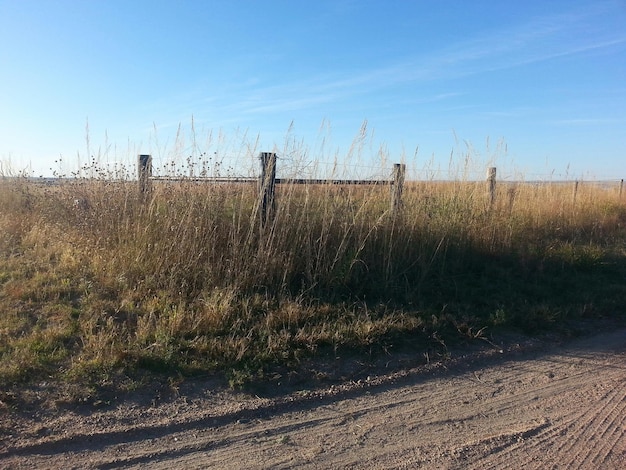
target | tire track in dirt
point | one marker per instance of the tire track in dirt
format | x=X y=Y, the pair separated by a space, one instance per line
x=604 y=426
x=539 y=434
x=561 y=408
x=593 y=436
x=573 y=442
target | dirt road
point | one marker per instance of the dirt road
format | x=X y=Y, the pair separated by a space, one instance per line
x=550 y=407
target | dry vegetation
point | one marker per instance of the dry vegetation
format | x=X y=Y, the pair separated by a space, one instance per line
x=98 y=286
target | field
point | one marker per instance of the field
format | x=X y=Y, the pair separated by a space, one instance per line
x=103 y=288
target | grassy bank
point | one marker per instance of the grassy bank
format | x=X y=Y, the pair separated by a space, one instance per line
x=98 y=284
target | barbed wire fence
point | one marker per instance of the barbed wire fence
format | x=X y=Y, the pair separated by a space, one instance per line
x=292 y=172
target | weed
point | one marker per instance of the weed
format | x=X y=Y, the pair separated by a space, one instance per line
x=186 y=282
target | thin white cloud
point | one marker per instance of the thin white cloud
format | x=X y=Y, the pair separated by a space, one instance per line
x=535 y=41
x=584 y=121
x=538 y=40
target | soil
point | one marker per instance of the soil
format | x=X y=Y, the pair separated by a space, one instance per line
x=542 y=403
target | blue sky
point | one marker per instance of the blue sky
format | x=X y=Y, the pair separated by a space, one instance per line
x=537 y=88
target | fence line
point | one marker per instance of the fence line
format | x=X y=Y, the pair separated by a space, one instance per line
x=267 y=182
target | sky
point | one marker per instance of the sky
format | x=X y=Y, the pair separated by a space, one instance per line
x=536 y=88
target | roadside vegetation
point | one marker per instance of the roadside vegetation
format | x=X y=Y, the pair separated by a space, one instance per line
x=100 y=286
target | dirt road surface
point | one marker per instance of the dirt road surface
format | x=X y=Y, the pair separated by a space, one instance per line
x=541 y=407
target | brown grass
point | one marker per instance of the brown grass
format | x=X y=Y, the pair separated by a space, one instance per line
x=187 y=281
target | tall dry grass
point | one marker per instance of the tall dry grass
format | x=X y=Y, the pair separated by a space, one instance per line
x=96 y=279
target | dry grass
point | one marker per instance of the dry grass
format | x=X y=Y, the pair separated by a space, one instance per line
x=95 y=281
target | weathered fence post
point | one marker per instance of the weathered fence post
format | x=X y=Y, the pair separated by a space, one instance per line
x=512 y=192
x=399 y=170
x=575 y=192
x=491 y=185
x=621 y=187
x=267 y=186
x=144 y=172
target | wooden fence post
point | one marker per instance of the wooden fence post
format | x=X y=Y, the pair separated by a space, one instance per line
x=574 y=192
x=512 y=192
x=621 y=187
x=267 y=186
x=491 y=185
x=399 y=170
x=144 y=172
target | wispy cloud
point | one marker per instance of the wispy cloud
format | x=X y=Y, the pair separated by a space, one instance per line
x=584 y=121
x=538 y=40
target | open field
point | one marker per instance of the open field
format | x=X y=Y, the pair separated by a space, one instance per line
x=103 y=289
